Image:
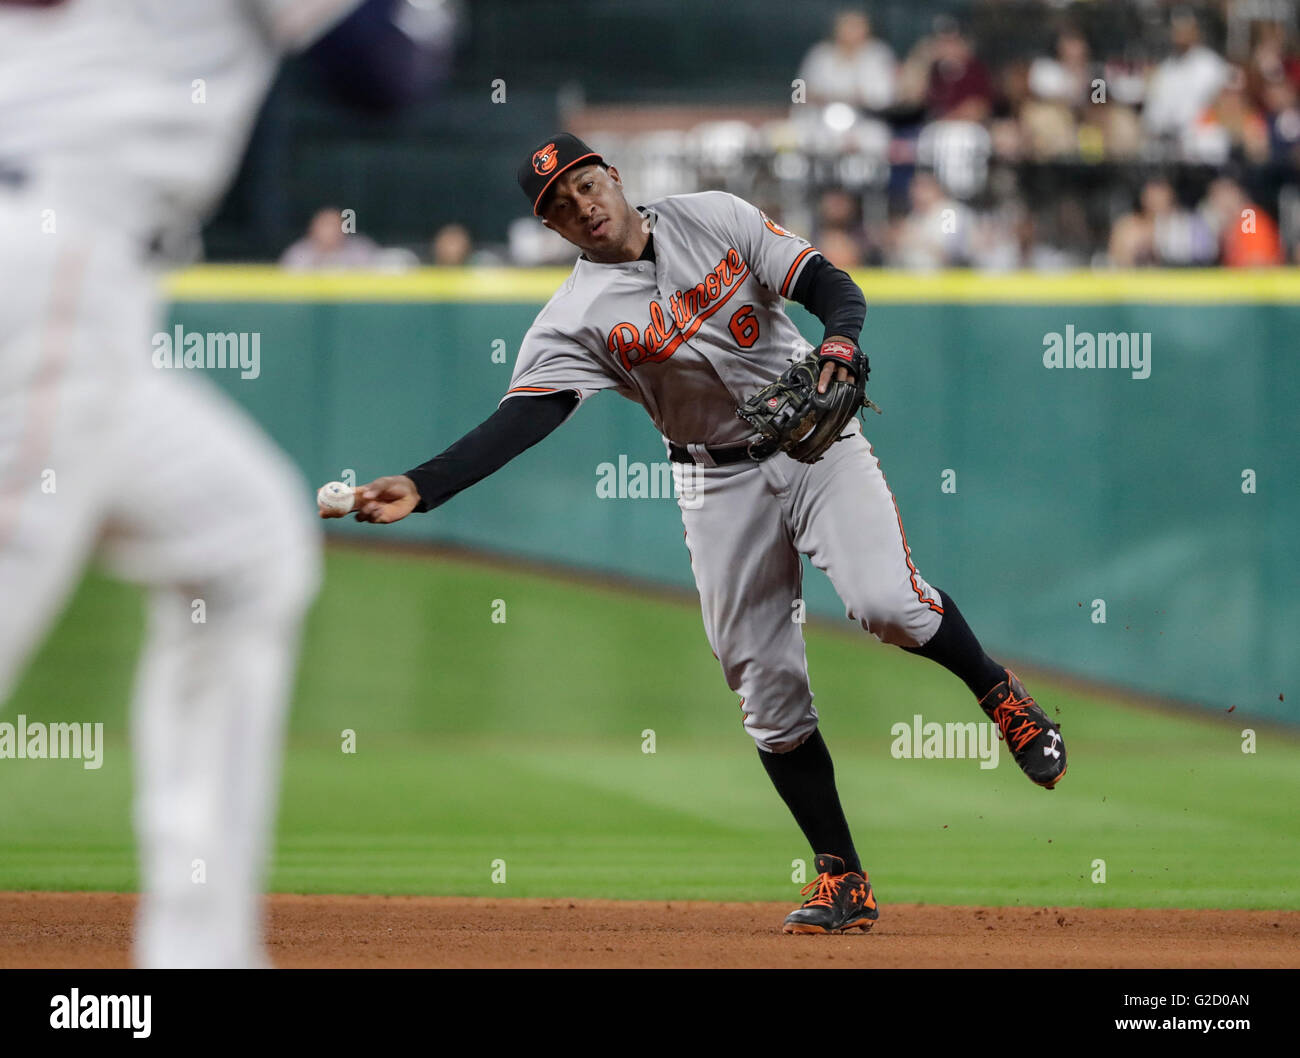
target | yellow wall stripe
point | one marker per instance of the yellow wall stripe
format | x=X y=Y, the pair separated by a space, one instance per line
x=881 y=286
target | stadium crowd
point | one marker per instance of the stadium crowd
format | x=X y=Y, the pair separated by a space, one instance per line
x=1039 y=134
x=1204 y=140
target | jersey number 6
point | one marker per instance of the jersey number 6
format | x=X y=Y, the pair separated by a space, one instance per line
x=744 y=328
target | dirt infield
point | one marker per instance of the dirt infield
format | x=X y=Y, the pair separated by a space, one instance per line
x=92 y=930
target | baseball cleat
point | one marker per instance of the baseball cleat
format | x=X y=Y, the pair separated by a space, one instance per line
x=1034 y=740
x=842 y=901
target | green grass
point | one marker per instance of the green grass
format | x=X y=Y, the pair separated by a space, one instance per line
x=521 y=742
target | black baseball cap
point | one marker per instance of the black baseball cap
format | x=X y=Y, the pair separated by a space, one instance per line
x=551 y=158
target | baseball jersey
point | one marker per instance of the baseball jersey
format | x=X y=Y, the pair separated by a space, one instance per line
x=689 y=335
x=136 y=111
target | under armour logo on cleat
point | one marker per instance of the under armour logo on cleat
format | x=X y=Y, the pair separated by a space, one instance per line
x=1052 y=750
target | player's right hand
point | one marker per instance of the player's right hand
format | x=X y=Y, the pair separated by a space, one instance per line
x=386 y=500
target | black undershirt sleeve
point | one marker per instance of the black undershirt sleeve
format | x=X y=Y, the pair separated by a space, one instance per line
x=521 y=422
x=514 y=427
x=830 y=295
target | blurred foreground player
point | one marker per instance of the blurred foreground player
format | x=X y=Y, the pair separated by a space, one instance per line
x=121 y=124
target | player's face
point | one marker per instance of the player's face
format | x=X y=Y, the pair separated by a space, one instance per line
x=587 y=207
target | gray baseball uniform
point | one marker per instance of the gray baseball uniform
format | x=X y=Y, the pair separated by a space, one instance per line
x=690 y=336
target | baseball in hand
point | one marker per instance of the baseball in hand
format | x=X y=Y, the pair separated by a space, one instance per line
x=335 y=498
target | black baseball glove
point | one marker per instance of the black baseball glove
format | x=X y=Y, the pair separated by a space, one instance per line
x=792 y=417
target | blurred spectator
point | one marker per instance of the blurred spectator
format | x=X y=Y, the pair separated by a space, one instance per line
x=852 y=67
x=937 y=231
x=1272 y=60
x=451 y=246
x=330 y=244
x=957 y=85
x=1007 y=139
x=958 y=152
x=839 y=233
x=837 y=208
x=1161 y=232
x=995 y=238
x=1044 y=254
x=1230 y=128
x=1065 y=78
x=1060 y=87
x=1073 y=112
x=1248 y=237
x=1185 y=83
x=1109 y=130
x=841 y=249
x=1283 y=119
x=1126 y=80
x=1011 y=93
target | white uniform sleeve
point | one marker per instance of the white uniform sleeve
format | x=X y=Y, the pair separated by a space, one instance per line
x=551 y=362
x=811 y=69
x=775 y=255
x=296 y=24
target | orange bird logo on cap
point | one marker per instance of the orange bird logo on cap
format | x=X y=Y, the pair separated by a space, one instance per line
x=545 y=159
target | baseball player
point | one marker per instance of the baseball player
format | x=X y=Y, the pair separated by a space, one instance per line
x=121 y=122
x=678 y=305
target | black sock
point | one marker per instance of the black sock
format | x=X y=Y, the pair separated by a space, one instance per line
x=955 y=647
x=805 y=779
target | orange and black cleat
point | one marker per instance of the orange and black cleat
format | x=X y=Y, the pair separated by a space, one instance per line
x=1034 y=740
x=842 y=901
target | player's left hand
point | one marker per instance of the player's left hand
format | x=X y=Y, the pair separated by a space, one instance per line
x=829 y=371
x=836 y=355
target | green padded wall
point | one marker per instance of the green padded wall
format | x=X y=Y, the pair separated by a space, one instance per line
x=1071 y=485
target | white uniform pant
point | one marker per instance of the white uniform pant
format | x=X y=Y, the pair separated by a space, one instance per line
x=746 y=527
x=175 y=489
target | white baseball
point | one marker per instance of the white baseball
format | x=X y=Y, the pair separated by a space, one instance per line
x=335 y=497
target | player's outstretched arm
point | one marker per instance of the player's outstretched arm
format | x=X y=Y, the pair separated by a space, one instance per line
x=517 y=425
x=386 y=500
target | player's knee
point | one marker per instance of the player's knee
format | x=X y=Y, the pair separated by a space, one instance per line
x=778 y=710
x=782 y=739
x=901 y=622
x=758 y=680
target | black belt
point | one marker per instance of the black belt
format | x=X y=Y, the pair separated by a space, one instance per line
x=722 y=455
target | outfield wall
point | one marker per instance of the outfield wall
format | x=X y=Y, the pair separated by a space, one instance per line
x=1027 y=493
